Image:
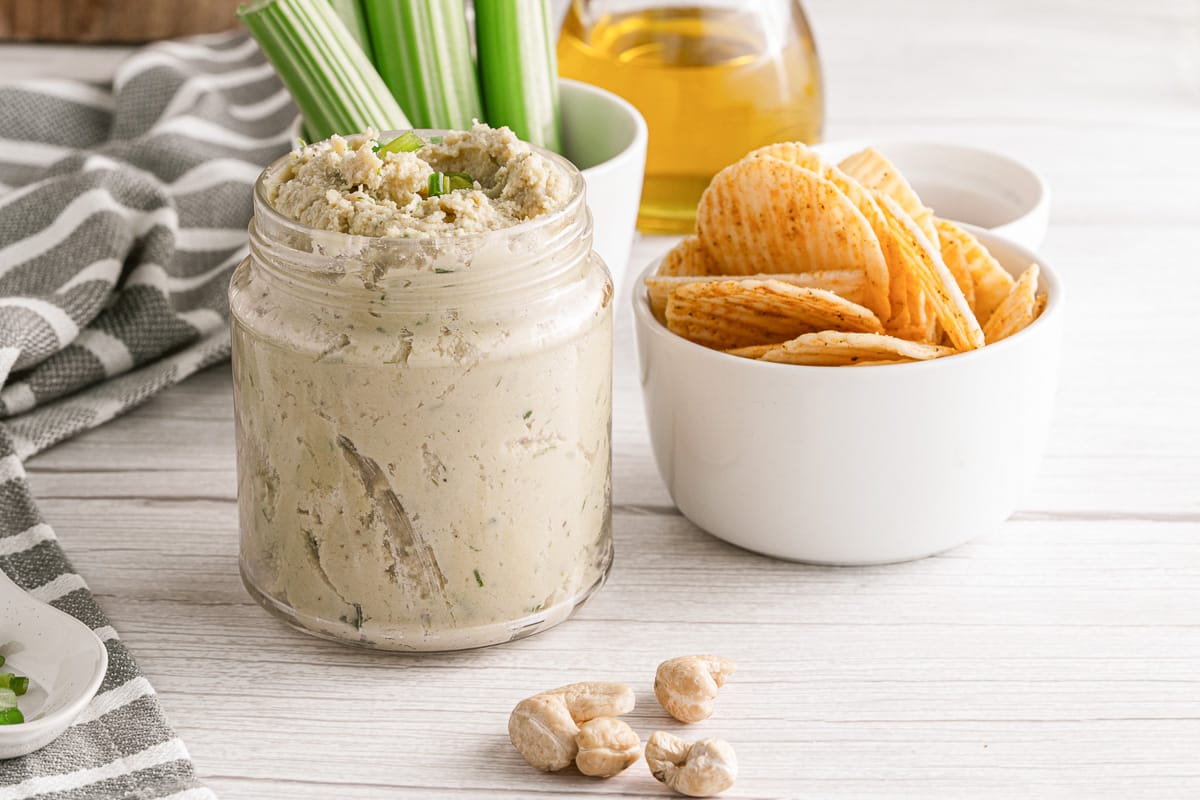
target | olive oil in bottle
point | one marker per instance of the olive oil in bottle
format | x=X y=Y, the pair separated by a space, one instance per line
x=713 y=82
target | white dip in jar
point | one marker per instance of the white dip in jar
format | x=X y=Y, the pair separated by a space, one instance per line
x=423 y=393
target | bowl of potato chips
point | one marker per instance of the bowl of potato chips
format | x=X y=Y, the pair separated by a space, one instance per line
x=833 y=374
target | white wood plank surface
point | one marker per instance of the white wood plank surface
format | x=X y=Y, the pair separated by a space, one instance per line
x=1058 y=657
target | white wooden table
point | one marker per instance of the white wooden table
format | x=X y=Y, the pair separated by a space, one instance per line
x=1057 y=657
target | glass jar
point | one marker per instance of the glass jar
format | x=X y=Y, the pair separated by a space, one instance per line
x=714 y=79
x=423 y=428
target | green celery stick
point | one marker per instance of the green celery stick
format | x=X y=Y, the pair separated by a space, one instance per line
x=423 y=51
x=355 y=19
x=328 y=74
x=518 y=69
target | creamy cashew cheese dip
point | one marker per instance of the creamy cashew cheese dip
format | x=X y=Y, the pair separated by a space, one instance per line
x=357 y=186
x=423 y=415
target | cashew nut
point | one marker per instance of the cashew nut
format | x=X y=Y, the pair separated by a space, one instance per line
x=606 y=747
x=592 y=699
x=687 y=686
x=543 y=732
x=703 y=769
x=544 y=727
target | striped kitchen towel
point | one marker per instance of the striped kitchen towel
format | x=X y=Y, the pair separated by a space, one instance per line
x=123 y=210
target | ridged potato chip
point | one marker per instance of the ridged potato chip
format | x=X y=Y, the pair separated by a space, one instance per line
x=953 y=253
x=971 y=262
x=766 y=215
x=912 y=314
x=850 y=284
x=731 y=314
x=1016 y=310
x=909 y=311
x=835 y=348
x=754 y=351
x=881 y=362
x=927 y=271
x=877 y=279
x=872 y=169
x=688 y=258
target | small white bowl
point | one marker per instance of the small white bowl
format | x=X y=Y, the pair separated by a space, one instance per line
x=606 y=138
x=981 y=187
x=852 y=465
x=63 y=659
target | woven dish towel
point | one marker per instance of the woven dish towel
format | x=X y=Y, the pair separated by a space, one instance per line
x=123 y=210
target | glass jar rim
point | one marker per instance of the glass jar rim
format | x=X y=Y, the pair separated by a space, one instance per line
x=264 y=211
x=536 y=252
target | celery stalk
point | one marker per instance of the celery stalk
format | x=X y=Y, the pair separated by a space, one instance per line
x=423 y=51
x=328 y=74
x=517 y=68
x=355 y=19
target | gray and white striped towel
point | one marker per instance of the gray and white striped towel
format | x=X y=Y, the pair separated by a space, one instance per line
x=123 y=210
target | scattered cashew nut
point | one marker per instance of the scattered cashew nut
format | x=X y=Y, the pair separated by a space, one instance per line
x=544 y=727
x=687 y=686
x=542 y=730
x=702 y=769
x=607 y=746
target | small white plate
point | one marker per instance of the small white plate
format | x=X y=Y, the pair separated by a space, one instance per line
x=63 y=659
x=981 y=187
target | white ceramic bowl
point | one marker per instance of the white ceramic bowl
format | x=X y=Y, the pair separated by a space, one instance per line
x=969 y=184
x=63 y=659
x=866 y=465
x=605 y=137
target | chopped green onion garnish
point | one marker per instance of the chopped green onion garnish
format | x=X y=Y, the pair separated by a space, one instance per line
x=404 y=143
x=423 y=51
x=442 y=182
x=478 y=579
x=8 y=699
x=11 y=716
x=437 y=182
x=517 y=68
x=19 y=685
x=328 y=74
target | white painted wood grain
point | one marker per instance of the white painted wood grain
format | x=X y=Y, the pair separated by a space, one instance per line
x=1058 y=657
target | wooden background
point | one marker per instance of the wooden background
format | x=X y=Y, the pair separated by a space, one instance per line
x=1059 y=657
x=112 y=20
